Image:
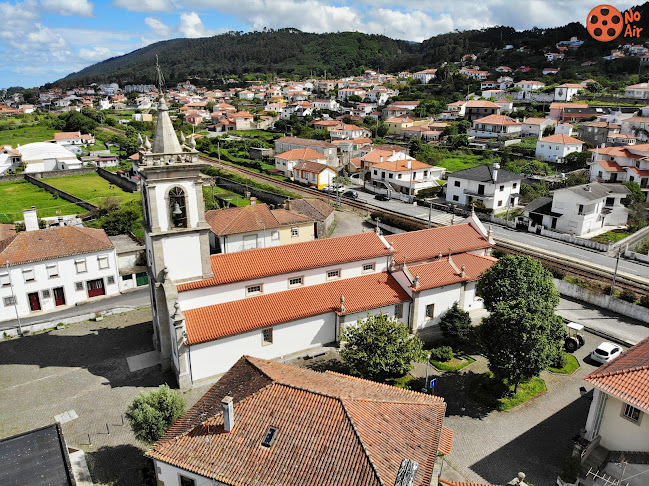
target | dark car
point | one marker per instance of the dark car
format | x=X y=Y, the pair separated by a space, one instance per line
x=350 y=194
x=381 y=197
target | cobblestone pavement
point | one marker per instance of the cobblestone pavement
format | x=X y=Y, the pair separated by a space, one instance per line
x=492 y=447
x=83 y=368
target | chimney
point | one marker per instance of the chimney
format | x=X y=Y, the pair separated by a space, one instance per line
x=587 y=188
x=61 y=223
x=518 y=480
x=253 y=200
x=228 y=413
x=31 y=219
x=496 y=167
x=381 y=158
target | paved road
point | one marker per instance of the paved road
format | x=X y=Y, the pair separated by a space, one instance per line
x=530 y=239
x=133 y=299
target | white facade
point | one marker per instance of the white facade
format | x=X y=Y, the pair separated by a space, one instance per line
x=68 y=276
x=566 y=92
x=496 y=196
x=408 y=181
x=551 y=151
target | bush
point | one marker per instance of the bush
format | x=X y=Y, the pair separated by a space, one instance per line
x=456 y=324
x=628 y=296
x=570 y=469
x=644 y=300
x=559 y=361
x=443 y=353
x=151 y=413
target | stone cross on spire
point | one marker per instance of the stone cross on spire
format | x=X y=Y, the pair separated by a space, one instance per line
x=165 y=140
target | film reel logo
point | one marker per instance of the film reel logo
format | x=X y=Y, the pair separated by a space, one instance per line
x=604 y=23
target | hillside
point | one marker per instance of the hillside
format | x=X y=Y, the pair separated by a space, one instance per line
x=290 y=51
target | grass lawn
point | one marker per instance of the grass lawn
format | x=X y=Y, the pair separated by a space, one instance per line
x=486 y=389
x=25 y=135
x=454 y=364
x=19 y=195
x=512 y=214
x=99 y=145
x=460 y=161
x=528 y=142
x=92 y=188
x=611 y=236
x=222 y=195
x=571 y=365
x=407 y=382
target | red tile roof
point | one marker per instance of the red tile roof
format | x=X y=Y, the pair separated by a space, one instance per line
x=640 y=172
x=67 y=135
x=445 y=441
x=332 y=429
x=263 y=262
x=442 y=272
x=301 y=154
x=423 y=245
x=314 y=167
x=462 y=483
x=497 y=120
x=57 y=242
x=243 y=219
x=361 y=293
x=610 y=166
x=401 y=165
x=7 y=231
x=561 y=138
x=626 y=377
x=285 y=217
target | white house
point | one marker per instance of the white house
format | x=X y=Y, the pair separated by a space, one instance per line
x=425 y=76
x=616 y=418
x=566 y=91
x=54 y=267
x=495 y=126
x=286 y=161
x=579 y=210
x=497 y=188
x=554 y=148
x=621 y=164
x=533 y=127
x=45 y=156
x=637 y=126
x=331 y=105
x=9 y=158
x=640 y=91
x=327 y=149
x=527 y=85
x=405 y=176
x=349 y=132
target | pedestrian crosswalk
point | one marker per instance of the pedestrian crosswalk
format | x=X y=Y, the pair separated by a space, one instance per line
x=438 y=217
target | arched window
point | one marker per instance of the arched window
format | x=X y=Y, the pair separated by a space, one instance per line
x=177 y=208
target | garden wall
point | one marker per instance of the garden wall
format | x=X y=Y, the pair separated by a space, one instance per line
x=263 y=196
x=601 y=300
x=60 y=193
x=61 y=173
x=123 y=183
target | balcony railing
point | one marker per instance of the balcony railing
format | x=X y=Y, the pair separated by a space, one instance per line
x=483 y=195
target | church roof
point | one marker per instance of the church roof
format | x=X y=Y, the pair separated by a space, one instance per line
x=165 y=140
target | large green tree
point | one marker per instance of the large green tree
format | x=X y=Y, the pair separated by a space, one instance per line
x=516 y=277
x=380 y=347
x=152 y=413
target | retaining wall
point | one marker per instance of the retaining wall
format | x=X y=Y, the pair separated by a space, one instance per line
x=575 y=240
x=60 y=193
x=601 y=300
x=61 y=173
x=261 y=195
x=127 y=185
x=636 y=256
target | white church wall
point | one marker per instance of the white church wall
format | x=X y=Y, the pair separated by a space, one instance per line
x=216 y=357
x=276 y=283
x=442 y=298
x=191 y=203
x=175 y=249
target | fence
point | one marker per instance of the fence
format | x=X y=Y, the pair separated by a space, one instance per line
x=636 y=256
x=127 y=185
x=575 y=240
x=601 y=300
x=60 y=193
x=633 y=240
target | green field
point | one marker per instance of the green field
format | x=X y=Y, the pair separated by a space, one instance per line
x=25 y=135
x=263 y=134
x=461 y=162
x=19 y=195
x=92 y=188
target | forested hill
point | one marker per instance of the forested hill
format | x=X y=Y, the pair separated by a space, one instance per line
x=290 y=51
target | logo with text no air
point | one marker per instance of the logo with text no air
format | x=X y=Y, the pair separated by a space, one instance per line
x=605 y=23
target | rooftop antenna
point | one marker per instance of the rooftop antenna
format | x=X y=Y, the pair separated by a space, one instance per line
x=161 y=79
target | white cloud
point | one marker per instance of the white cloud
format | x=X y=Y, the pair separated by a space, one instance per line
x=145 y=5
x=158 y=27
x=81 y=8
x=96 y=54
x=191 y=25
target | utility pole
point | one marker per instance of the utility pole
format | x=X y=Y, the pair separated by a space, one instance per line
x=617 y=262
x=430 y=213
x=13 y=295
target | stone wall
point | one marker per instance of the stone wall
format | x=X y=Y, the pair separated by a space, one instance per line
x=60 y=193
x=126 y=184
x=263 y=196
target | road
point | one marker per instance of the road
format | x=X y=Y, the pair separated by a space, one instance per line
x=530 y=239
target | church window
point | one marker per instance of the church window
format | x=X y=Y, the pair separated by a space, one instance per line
x=177 y=208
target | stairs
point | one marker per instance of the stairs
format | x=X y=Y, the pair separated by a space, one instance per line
x=596 y=460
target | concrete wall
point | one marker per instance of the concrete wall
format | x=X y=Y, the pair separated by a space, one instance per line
x=60 y=193
x=58 y=173
x=127 y=185
x=620 y=434
x=575 y=240
x=601 y=300
x=263 y=196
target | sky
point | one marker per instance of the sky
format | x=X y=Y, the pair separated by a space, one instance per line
x=44 y=40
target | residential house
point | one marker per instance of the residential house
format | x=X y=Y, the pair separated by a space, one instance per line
x=553 y=56
x=324 y=104
x=345 y=93
x=314 y=174
x=639 y=91
x=548 y=70
x=621 y=164
x=557 y=109
x=616 y=418
x=405 y=176
x=256 y=226
x=243 y=120
x=349 y=132
x=554 y=148
x=327 y=149
x=10 y=158
x=579 y=210
x=378 y=156
x=637 y=126
x=534 y=127
x=597 y=133
x=68 y=139
x=316 y=210
x=54 y=267
x=566 y=91
x=286 y=161
x=475 y=109
x=425 y=76
x=573 y=114
x=529 y=85
x=621 y=139
x=264 y=416
x=474 y=73
x=497 y=188
x=504 y=69
x=495 y=126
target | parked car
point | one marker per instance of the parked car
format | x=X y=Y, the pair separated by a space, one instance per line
x=605 y=352
x=333 y=188
x=382 y=197
x=350 y=194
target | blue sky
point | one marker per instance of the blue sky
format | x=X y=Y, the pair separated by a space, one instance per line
x=44 y=40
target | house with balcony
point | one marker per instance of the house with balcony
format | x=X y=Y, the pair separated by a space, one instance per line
x=579 y=210
x=497 y=188
x=327 y=149
x=637 y=126
x=286 y=161
x=534 y=127
x=621 y=164
x=425 y=76
x=639 y=91
x=596 y=133
x=554 y=148
x=405 y=176
x=529 y=85
x=475 y=109
x=495 y=126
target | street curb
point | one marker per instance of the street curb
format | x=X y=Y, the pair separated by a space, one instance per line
x=609 y=337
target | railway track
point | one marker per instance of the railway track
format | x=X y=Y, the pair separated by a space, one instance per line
x=571 y=267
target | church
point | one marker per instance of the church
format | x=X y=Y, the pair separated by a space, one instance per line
x=210 y=310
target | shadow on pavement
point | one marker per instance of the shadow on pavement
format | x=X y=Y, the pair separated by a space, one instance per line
x=455 y=388
x=537 y=452
x=102 y=351
x=119 y=465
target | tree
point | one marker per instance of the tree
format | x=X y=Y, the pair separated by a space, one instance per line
x=517 y=277
x=120 y=222
x=456 y=323
x=520 y=342
x=637 y=196
x=549 y=130
x=379 y=347
x=151 y=413
x=578 y=159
